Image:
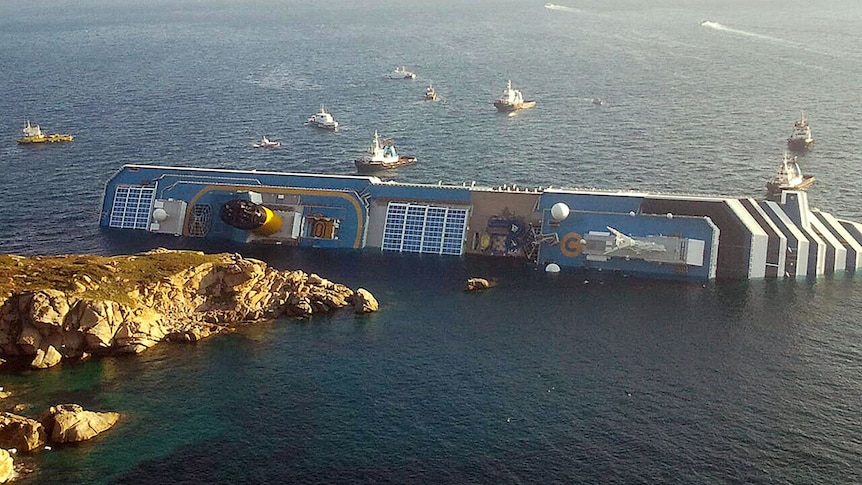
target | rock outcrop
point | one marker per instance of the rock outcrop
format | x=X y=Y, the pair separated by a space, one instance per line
x=23 y=434
x=474 y=284
x=67 y=307
x=7 y=467
x=63 y=423
x=364 y=301
x=46 y=358
x=69 y=423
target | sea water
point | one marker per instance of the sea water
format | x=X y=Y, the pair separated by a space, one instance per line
x=574 y=378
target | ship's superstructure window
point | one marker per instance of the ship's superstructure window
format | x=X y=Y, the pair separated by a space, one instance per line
x=424 y=229
x=131 y=208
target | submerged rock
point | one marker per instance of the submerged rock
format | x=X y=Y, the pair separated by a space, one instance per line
x=474 y=284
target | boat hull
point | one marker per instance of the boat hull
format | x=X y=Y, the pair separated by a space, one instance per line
x=776 y=188
x=55 y=138
x=510 y=108
x=368 y=166
x=657 y=235
x=799 y=144
x=322 y=126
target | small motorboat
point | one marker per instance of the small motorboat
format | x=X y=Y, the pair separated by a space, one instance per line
x=382 y=155
x=512 y=100
x=402 y=73
x=430 y=94
x=267 y=143
x=789 y=177
x=323 y=119
x=598 y=101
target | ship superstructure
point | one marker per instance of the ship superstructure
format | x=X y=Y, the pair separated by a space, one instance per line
x=638 y=233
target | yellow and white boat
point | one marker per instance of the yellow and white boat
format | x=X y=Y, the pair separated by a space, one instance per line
x=34 y=134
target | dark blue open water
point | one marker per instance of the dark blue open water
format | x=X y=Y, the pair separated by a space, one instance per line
x=576 y=379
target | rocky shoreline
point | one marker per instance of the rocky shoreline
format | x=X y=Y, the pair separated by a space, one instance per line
x=71 y=307
x=55 y=308
x=60 y=424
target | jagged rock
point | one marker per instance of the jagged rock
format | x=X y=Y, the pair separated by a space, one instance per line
x=49 y=307
x=7 y=467
x=302 y=308
x=23 y=434
x=67 y=423
x=46 y=358
x=194 y=333
x=172 y=302
x=474 y=284
x=314 y=280
x=29 y=340
x=364 y=301
x=99 y=336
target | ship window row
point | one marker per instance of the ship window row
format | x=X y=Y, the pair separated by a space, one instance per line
x=424 y=229
x=131 y=207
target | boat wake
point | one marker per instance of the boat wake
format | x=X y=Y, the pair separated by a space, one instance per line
x=561 y=8
x=723 y=28
x=768 y=38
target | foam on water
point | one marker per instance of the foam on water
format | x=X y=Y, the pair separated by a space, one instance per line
x=562 y=8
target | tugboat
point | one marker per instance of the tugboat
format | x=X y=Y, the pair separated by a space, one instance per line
x=789 y=177
x=34 y=134
x=382 y=156
x=430 y=94
x=267 y=143
x=800 y=140
x=512 y=100
x=403 y=73
x=323 y=120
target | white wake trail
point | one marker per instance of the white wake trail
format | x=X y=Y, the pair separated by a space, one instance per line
x=561 y=8
x=717 y=26
x=768 y=38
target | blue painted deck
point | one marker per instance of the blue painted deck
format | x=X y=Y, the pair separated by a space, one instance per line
x=747 y=235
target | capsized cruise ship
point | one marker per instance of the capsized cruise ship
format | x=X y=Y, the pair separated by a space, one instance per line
x=632 y=233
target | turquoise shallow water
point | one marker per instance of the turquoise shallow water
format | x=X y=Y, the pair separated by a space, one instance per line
x=576 y=379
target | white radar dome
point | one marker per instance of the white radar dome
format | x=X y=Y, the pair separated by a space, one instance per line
x=160 y=214
x=560 y=211
x=552 y=268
